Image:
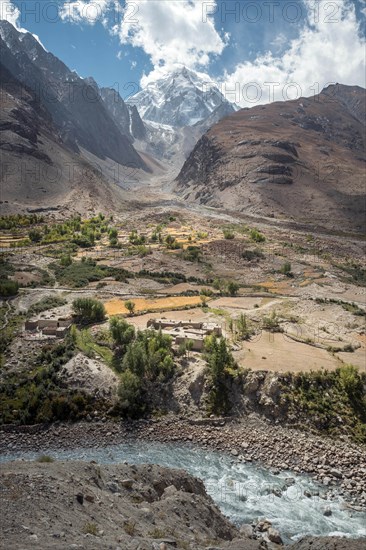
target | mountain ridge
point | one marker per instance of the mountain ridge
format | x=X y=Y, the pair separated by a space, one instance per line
x=302 y=159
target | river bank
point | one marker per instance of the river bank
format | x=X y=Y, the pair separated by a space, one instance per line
x=340 y=466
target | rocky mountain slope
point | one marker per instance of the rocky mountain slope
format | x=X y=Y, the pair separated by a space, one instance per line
x=176 y=110
x=181 y=98
x=77 y=110
x=145 y=507
x=120 y=506
x=38 y=170
x=301 y=159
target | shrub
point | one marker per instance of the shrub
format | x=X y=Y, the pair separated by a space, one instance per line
x=250 y=255
x=8 y=288
x=136 y=239
x=66 y=260
x=271 y=323
x=192 y=254
x=286 y=269
x=129 y=392
x=48 y=302
x=90 y=528
x=88 y=310
x=45 y=458
x=256 y=236
x=35 y=236
x=130 y=306
x=172 y=243
x=228 y=234
x=130 y=527
x=232 y=288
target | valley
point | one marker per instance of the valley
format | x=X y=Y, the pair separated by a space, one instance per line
x=182 y=282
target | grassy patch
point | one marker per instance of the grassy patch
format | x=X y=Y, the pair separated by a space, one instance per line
x=80 y=274
x=90 y=528
x=86 y=343
x=333 y=401
x=45 y=459
x=46 y=303
x=355 y=273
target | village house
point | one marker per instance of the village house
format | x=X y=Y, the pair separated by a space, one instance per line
x=184 y=331
x=48 y=325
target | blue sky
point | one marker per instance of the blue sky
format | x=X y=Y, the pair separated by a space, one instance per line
x=232 y=41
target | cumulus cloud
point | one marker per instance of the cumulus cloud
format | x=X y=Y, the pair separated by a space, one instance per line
x=9 y=12
x=329 y=49
x=172 y=34
x=86 y=11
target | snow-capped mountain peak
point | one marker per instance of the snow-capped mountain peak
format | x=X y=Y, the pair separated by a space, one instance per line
x=181 y=98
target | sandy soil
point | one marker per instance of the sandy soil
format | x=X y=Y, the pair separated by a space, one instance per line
x=276 y=352
x=116 y=306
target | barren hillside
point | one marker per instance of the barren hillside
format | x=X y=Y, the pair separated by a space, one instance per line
x=301 y=159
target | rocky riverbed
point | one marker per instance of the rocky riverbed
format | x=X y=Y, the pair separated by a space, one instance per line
x=340 y=466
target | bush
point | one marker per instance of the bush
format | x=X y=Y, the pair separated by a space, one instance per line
x=88 y=310
x=250 y=255
x=129 y=392
x=65 y=260
x=172 y=243
x=192 y=254
x=48 y=302
x=228 y=234
x=8 y=288
x=233 y=288
x=256 y=236
x=286 y=269
x=45 y=458
x=271 y=323
x=136 y=239
x=35 y=236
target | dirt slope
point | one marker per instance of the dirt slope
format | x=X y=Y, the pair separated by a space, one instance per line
x=301 y=159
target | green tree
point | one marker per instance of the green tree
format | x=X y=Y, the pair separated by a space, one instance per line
x=35 y=236
x=203 y=299
x=189 y=346
x=8 y=288
x=242 y=327
x=130 y=306
x=218 y=284
x=122 y=332
x=220 y=363
x=232 y=288
x=129 y=393
x=88 y=310
x=66 y=260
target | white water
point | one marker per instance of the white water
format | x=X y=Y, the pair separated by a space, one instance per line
x=242 y=491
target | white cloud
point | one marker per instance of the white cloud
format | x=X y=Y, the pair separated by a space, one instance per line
x=171 y=33
x=85 y=11
x=9 y=12
x=329 y=49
